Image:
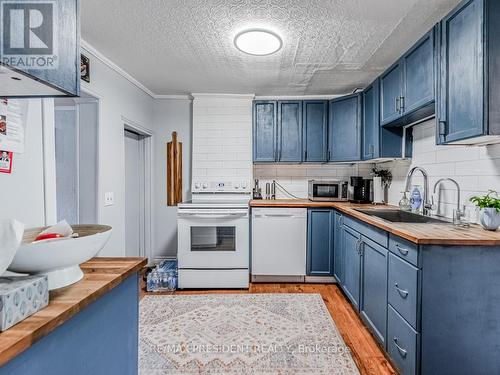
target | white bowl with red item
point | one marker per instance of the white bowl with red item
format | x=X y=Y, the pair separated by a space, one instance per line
x=59 y=250
x=11 y=234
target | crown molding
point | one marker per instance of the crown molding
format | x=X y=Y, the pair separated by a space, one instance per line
x=174 y=97
x=90 y=49
x=197 y=95
x=297 y=97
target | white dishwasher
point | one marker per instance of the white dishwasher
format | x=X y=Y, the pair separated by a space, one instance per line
x=279 y=244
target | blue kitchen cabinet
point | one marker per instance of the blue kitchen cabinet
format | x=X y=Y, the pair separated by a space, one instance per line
x=469 y=85
x=351 y=254
x=320 y=242
x=289 y=131
x=373 y=306
x=53 y=68
x=315 y=127
x=419 y=75
x=337 y=247
x=391 y=92
x=378 y=142
x=407 y=88
x=264 y=131
x=345 y=122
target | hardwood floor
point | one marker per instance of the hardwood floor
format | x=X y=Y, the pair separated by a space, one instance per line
x=366 y=353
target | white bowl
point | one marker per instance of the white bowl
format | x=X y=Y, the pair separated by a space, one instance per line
x=59 y=259
x=11 y=234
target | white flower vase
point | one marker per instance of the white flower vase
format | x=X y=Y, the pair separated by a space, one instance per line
x=490 y=218
x=378 y=190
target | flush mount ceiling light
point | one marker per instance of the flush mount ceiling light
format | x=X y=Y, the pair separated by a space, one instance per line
x=258 y=42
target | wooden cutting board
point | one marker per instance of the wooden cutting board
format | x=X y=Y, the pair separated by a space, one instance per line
x=174 y=171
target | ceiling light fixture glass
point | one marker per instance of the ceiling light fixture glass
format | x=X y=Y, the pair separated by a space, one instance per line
x=258 y=42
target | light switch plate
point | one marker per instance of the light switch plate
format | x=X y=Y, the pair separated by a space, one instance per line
x=109 y=198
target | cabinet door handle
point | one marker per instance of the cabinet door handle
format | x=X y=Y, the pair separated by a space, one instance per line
x=402 y=103
x=329 y=155
x=402 y=250
x=397 y=105
x=442 y=128
x=403 y=293
x=401 y=351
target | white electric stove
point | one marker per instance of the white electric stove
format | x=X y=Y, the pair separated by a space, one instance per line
x=213 y=238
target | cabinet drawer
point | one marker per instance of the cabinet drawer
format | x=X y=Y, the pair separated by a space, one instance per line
x=375 y=234
x=402 y=343
x=404 y=249
x=403 y=288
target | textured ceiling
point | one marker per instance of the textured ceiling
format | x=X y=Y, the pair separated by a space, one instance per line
x=184 y=46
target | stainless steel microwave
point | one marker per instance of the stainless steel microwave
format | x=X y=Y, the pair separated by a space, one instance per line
x=333 y=190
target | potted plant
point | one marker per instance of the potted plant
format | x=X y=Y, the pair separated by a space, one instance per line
x=382 y=179
x=490 y=209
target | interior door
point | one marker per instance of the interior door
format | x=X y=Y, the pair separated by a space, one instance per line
x=133 y=172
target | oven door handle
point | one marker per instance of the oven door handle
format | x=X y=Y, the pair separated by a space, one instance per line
x=208 y=216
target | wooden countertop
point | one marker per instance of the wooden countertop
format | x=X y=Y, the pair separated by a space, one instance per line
x=423 y=234
x=100 y=276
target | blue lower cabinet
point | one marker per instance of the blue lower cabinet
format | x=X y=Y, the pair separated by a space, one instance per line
x=320 y=242
x=373 y=306
x=337 y=245
x=402 y=343
x=351 y=254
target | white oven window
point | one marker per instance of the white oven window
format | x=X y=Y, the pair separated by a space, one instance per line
x=213 y=238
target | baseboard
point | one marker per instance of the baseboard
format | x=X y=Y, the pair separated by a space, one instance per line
x=320 y=280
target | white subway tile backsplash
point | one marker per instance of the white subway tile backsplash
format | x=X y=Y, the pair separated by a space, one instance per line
x=476 y=169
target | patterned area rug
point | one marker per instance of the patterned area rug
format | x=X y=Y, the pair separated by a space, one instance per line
x=240 y=334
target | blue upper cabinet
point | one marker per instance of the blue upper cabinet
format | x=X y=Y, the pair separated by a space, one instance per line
x=419 y=74
x=407 y=89
x=344 y=135
x=53 y=68
x=289 y=131
x=391 y=92
x=378 y=142
x=320 y=245
x=264 y=131
x=469 y=85
x=315 y=121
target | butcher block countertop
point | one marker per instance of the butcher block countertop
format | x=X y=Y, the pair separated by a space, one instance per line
x=100 y=276
x=423 y=234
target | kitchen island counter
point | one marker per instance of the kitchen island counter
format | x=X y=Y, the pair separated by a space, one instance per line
x=71 y=312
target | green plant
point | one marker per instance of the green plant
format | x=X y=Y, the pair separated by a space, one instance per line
x=487 y=201
x=386 y=175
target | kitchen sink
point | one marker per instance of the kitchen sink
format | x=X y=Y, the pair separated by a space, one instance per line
x=400 y=216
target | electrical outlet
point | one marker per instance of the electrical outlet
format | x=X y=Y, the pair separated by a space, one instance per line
x=109 y=198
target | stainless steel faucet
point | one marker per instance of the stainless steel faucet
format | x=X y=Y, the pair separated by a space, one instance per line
x=456 y=184
x=427 y=206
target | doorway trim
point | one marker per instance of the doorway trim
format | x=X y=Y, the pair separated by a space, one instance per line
x=146 y=198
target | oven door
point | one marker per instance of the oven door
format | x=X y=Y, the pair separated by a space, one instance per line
x=213 y=238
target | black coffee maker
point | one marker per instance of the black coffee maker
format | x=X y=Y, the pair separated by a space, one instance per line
x=362 y=190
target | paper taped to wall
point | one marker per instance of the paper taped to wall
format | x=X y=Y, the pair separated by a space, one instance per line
x=12 y=124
